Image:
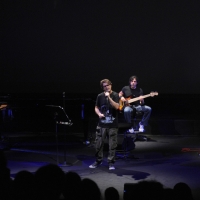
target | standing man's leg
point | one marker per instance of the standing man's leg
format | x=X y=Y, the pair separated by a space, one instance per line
x=100 y=139
x=112 y=147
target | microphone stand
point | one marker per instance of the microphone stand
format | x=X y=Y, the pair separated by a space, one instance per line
x=65 y=137
x=63 y=122
x=55 y=118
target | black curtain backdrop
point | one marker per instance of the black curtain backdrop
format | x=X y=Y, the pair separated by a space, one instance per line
x=60 y=45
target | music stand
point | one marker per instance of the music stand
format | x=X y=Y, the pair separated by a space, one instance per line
x=61 y=118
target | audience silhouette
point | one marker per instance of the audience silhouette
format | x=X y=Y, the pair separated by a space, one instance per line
x=168 y=194
x=72 y=186
x=50 y=182
x=182 y=191
x=111 y=193
x=148 y=190
x=90 y=190
x=5 y=180
x=23 y=186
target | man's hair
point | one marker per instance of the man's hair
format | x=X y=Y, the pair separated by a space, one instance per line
x=133 y=77
x=105 y=81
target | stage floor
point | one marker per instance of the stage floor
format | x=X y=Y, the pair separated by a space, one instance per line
x=168 y=159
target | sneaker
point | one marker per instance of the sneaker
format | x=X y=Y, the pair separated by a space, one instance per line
x=131 y=130
x=111 y=166
x=95 y=165
x=86 y=142
x=141 y=129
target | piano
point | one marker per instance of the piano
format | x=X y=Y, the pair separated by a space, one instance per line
x=3 y=105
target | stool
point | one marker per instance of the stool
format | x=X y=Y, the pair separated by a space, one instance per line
x=129 y=139
x=125 y=139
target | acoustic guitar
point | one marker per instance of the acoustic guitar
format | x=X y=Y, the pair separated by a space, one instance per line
x=122 y=104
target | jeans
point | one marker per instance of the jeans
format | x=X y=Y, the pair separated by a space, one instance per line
x=100 y=140
x=145 y=109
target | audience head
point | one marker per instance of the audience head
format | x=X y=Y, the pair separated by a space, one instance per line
x=90 y=190
x=49 y=181
x=111 y=194
x=23 y=186
x=5 y=180
x=182 y=191
x=72 y=186
x=144 y=190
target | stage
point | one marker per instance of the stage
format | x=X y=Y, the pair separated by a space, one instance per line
x=167 y=159
x=169 y=155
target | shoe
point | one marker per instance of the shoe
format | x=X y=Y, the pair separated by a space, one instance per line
x=141 y=128
x=131 y=130
x=111 y=166
x=95 y=165
x=86 y=142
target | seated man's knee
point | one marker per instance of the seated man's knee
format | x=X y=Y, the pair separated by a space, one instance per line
x=128 y=109
x=150 y=109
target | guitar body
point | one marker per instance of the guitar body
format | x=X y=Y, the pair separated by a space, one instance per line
x=122 y=104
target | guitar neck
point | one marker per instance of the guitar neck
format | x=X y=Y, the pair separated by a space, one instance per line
x=138 y=98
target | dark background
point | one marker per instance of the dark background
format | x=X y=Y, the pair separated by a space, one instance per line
x=69 y=46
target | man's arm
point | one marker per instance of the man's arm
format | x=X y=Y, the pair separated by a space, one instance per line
x=141 y=95
x=97 y=111
x=121 y=96
x=113 y=103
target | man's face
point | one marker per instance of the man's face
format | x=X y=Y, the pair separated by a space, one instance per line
x=107 y=87
x=133 y=83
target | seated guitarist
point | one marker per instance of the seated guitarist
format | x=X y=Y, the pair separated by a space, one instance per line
x=132 y=91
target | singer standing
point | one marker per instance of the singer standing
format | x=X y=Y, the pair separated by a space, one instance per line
x=106 y=107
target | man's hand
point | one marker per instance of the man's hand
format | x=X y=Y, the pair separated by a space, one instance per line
x=101 y=115
x=141 y=100
x=123 y=99
x=107 y=94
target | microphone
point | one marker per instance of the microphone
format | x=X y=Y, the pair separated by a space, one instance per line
x=106 y=95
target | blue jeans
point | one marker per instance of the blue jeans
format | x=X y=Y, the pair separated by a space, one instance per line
x=145 y=109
